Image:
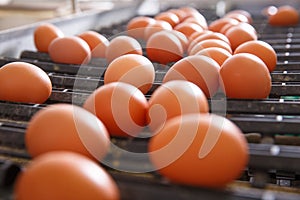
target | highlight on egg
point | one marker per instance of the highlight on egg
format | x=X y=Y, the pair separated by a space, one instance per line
x=24 y=82
x=66 y=127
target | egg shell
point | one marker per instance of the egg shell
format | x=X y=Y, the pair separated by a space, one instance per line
x=97 y=43
x=245 y=76
x=158 y=26
x=69 y=50
x=44 y=34
x=180 y=14
x=136 y=26
x=216 y=53
x=237 y=16
x=66 y=127
x=65 y=175
x=240 y=33
x=209 y=36
x=24 y=82
x=122 y=45
x=200 y=70
x=243 y=12
x=169 y=17
x=210 y=43
x=262 y=50
x=218 y=24
x=134 y=69
x=188 y=28
x=164 y=47
x=285 y=16
x=174 y=98
x=209 y=150
x=120 y=106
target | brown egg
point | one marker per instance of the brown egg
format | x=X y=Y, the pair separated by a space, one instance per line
x=121 y=107
x=24 y=82
x=200 y=70
x=136 y=26
x=216 y=53
x=218 y=24
x=285 y=16
x=164 y=47
x=245 y=76
x=97 y=43
x=70 y=50
x=157 y=26
x=240 y=33
x=188 y=28
x=65 y=175
x=169 y=17
x=206 y=36
x=44 y=34
x=66 y=127
x=262 y=50
x=174 y=98
x=210 y=43
x=134 y=69
x=122 y=45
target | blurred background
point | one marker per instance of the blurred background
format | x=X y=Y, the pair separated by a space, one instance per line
x=14 y=13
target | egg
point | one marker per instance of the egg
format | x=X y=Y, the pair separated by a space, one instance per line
x=218 y=24
x=216 y=53
x=210 y=43
x=197 y=21
x=24 y=82
x=208 y=36
x=240 y=33
x=174 y=98
x=194 y=13
x=122 y=45
x=262 y=50
x=237 y=16
x=70 y=50
x=134 y=69
x=182 y=38
x=188 y=28
x=120 y=106
x=64 y=175
x=66 y=127
x=243 y=12
x=200 y=70
x=251 y=81
x=284 y=16
x=169 y=17
x=197 y=34
x=208 y=150
x=44 y=34
x=158 y=26
x=97 y=43
x=164 y=47
x=180 y=14
x=136 y=26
